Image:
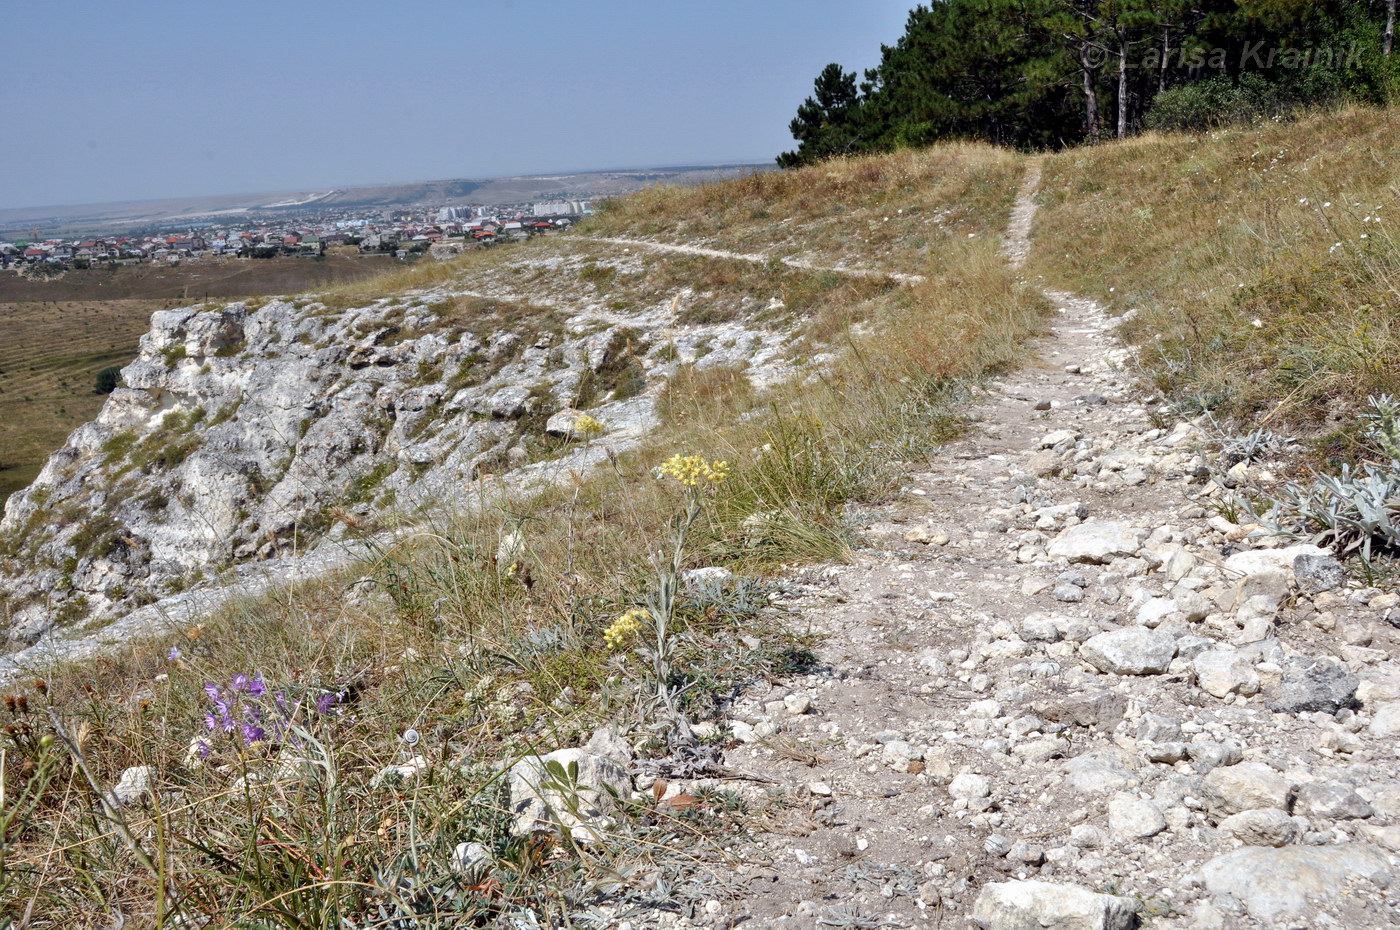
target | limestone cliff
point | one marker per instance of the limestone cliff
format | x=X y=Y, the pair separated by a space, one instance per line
x=243 y=431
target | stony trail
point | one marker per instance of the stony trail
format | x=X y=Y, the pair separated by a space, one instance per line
x=755 y=257
x=1057 y=690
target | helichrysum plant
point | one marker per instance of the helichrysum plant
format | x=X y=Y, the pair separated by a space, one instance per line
x=699 y=478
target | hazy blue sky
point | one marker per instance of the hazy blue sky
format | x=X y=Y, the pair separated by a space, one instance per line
x=139 y=99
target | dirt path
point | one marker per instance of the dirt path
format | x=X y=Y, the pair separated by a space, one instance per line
x=957 y=731
x=756 y=258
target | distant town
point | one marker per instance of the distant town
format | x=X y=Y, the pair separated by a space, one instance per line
x=404 y=234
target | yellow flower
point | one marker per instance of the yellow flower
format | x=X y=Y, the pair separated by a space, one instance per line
x=585 y=425
x=693 y=471
x=625 y=628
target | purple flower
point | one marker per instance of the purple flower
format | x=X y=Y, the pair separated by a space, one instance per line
x=212 y=690
x=174 y=653
x=239 y=682
x=203 y=749
x=210 y=723
x=256 y=687
x=252 y=733
x=325 y=702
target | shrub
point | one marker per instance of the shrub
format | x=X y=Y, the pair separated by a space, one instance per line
x=108 y=380
x=1222 y=101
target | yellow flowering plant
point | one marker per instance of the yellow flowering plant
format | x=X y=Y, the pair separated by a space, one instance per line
x=625 y=628
x=693 y=471
x=586 y=425
x=699 y=477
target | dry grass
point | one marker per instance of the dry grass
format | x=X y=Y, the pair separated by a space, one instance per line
x=49 y=359
x=228 y=278
x=715 y=290
x=896 y=211
x=1208 y=234
x=396 y=278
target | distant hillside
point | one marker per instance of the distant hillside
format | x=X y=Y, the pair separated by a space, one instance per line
x=16 y=222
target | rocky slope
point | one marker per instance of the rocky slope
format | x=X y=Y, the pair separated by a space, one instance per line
x=244 y=432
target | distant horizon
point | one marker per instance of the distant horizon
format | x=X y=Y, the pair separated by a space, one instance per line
x=562 y=172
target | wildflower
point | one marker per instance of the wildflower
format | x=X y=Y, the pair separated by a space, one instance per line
x=239 y=682
x=174 y=653
x=325 y=702
x=256 y=687
x=624 y=628
x=585 y=425
x=252 y=733
x=693 y=470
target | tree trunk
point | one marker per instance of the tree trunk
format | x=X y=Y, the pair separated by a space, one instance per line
x=1122 y=83
x=1166 y=52
x=1091 y=97
x=1388 y=43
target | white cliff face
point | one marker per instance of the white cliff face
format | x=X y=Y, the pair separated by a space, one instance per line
x=240 y=432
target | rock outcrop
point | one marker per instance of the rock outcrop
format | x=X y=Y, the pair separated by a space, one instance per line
x=246 y=432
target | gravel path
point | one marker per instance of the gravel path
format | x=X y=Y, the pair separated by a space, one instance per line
x=1055 y=673
x=757 y=258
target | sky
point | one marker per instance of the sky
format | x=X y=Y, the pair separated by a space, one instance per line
x=146 y=99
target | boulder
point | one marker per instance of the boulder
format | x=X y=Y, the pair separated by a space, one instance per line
x=1385 y=720
x=1247 y=786
x=1157 y=728
x=1033 y=905
x=1279 y=886
x=1225 y=671
x=1327 y=801
x=572 y=424
x=1098 y=771
x=1313 y=684
x=1133 y=818
x=708 y=578
x=1097 y=541
x=471 y=860
x=1132 y=650
x=568 y=788
x=969 y=786
x=1316 y=573
x=1059 y=437
x=1261 y=561
x=509 y=402
x=1264 y=827
x=1102 y=708
x=135 y=786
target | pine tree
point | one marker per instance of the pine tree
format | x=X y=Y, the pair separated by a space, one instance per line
x=827 y=122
